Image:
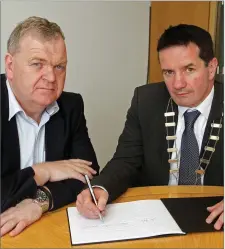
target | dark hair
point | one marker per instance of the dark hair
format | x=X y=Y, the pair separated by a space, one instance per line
x=183 y=35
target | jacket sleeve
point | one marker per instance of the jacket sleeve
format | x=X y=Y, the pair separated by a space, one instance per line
x=16 y=187
x=65 y=192
x=121 y=171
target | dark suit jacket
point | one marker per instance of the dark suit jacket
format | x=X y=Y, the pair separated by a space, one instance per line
x=141 y=157
x=66 y=137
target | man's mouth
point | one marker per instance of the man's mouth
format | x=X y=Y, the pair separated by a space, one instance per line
x=182 y=94
x=46 y=89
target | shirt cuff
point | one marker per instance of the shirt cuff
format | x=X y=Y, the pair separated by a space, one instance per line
x=97 y=186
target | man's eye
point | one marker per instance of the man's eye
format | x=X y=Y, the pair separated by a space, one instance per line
x=168 y=72
x=190 y=70
x=60 y=67
x=37 y=64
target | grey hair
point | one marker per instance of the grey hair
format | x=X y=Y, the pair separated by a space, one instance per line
x=33 y=25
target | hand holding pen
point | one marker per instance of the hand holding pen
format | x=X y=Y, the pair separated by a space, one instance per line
x=93 y=195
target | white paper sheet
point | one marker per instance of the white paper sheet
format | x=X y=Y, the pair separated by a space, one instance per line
x=123 y=221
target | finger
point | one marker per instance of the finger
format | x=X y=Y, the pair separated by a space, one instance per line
x=82 y=167
x=8 y=226
x=77 y=203
x=81 y=161
x=76 y=175
x=215 y=206
x=7 y=212
x=84 y=196
x=79 y=199
x=214 y=214
x=92 y=171
x=219 y=222
x=103 y=213
x=6 y=218
x=102 y=201
x=87 y=168
x=19 y=228
x=89 y=205
x=86 y=205
x=86 y=212
x=83 y=172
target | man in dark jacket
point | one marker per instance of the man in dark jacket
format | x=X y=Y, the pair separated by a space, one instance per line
x=173 y=134
x=45 y=147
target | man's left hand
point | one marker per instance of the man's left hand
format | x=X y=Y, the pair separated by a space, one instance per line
x=15 y=219
x=216 y=210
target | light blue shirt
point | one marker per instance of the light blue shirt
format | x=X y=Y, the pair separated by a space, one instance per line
x=199 y=129
x=31 y=134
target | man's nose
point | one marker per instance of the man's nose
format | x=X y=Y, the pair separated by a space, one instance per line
x=179 y=81
x=49 y=74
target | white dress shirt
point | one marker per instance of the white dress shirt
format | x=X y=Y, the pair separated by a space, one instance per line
x=199 y=129
x=31 y=134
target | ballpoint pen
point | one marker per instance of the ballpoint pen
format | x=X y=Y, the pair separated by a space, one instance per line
x=93 y=195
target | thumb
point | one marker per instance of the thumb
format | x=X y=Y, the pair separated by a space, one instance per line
x=102 y=201
x=210 y=208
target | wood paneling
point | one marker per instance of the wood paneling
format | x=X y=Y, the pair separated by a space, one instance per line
x=213 y=20
x=164 y=14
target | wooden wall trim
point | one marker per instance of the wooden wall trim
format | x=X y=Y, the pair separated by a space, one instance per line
x=213 y=8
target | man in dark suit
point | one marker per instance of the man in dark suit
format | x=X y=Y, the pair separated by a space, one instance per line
x=173 y=133
x=45 y=147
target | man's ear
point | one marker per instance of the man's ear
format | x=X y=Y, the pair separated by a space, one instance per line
x=9 y=66
x=212 y=68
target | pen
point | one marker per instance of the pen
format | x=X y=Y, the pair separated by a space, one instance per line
x=92 y=194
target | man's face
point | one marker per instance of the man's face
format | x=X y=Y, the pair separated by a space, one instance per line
x=187 y=78
x=37 y=71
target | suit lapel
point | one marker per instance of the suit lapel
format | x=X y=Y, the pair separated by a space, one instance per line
x=215 y=112
x=10 y=138
x=54 y=138
x=214 y=172
x=11 y=145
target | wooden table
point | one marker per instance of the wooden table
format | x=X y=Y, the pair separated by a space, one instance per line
x=52 y=230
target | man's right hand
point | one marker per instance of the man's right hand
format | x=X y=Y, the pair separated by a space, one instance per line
x=87 y=207
x=62 y=170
